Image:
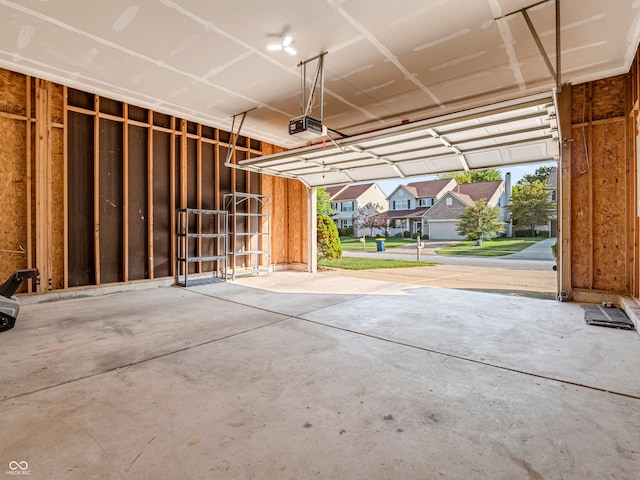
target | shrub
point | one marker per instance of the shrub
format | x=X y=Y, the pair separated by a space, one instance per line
x=554 y=249
x=416 y=235
x=329 y=246
x=398 y=235
x=522 y=233
x=406 y=234
x=346 y=231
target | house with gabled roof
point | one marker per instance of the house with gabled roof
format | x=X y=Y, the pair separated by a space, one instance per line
x=440 y=222
x=347 y=199
x=408 y=203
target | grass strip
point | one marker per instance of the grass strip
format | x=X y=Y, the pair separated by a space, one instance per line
x=353 y=263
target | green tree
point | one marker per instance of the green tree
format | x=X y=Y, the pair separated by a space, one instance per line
x=487 y=175
x=329 y=245
x=531 y=205
x=324 y=202
x=480 y=221
x=541 y=174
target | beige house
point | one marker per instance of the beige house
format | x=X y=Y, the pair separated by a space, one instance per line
x=347 y=199
x=440 y=222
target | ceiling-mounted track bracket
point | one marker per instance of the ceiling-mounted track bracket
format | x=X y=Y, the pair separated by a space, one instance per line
x=235 y=135
x=555 y=72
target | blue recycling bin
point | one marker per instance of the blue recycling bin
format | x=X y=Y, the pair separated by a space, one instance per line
x=380 y=244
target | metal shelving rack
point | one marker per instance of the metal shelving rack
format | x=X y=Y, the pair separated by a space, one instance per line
x=250 y=242
x=208 y=228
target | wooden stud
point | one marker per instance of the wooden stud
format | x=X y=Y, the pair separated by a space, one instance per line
x=172 y=195
x=183 y=164
x=125 y=194
x=565 y=178
x=150 y=251
x=96 y=187
x=216 y=170
x=42 y=184
x=590 y=177
x=199 y=188
x=65 y=185
x=29 y=180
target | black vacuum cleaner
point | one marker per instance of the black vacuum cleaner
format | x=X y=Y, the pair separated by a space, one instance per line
x=9 y=305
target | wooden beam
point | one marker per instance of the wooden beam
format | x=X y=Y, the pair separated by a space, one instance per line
x=43 y=184
x=65 y=185
x=564 y=199
x=96 y=187
x=150 y=264
x=125 y=194
x=589 y=174
x=172 y=195
x=28 y=182
x=199 y=187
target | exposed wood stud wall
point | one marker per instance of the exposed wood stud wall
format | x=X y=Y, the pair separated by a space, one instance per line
x=602 y=195
x=62 y=148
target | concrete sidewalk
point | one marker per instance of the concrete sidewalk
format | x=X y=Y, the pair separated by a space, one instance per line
x=527 y=273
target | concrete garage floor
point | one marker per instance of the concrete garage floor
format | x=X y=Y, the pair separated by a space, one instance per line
x=299 y=376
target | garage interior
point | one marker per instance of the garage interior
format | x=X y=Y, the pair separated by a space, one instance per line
x=114 y=116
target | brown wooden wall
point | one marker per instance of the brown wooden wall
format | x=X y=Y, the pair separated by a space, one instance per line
x=289 y=213
x=89 y=186
x=601 y=251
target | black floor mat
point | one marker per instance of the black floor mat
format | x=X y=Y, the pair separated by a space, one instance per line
x=606 y=317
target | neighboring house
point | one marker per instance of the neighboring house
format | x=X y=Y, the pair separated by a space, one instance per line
x=346 y=200
x=440 y=222
x=408 y=203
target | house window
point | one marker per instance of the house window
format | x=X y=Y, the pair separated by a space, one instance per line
x=402 y=204
x=398 y=223
x=346 y=207
x=347 y=223
x=448 y=202
x=425 y=202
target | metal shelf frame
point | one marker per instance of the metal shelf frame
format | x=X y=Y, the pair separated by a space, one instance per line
x=249 y=233
x=209 y=230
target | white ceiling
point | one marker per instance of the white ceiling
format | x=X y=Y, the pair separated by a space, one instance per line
x=387 y=62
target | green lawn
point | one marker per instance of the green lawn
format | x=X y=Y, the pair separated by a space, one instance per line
x=496 y=247
x=354 y=243
x=351 y=263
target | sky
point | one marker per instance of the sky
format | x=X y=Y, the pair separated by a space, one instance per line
x=517 y=172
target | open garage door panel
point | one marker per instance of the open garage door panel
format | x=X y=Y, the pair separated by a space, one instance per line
x=522 y=131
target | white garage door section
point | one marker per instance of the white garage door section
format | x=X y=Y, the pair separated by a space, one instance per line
x=444 y=230
x=516 y=132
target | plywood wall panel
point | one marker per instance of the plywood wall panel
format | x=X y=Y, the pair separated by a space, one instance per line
x=57 y=104
x=56 y=243
x=609 y=98
x=295 y=199
x=13 y=196
x=13 y=93
x=581 y=240
x=138 y=211
x=609 y=203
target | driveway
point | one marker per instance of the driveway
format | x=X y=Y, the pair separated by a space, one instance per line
x=526 y=273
